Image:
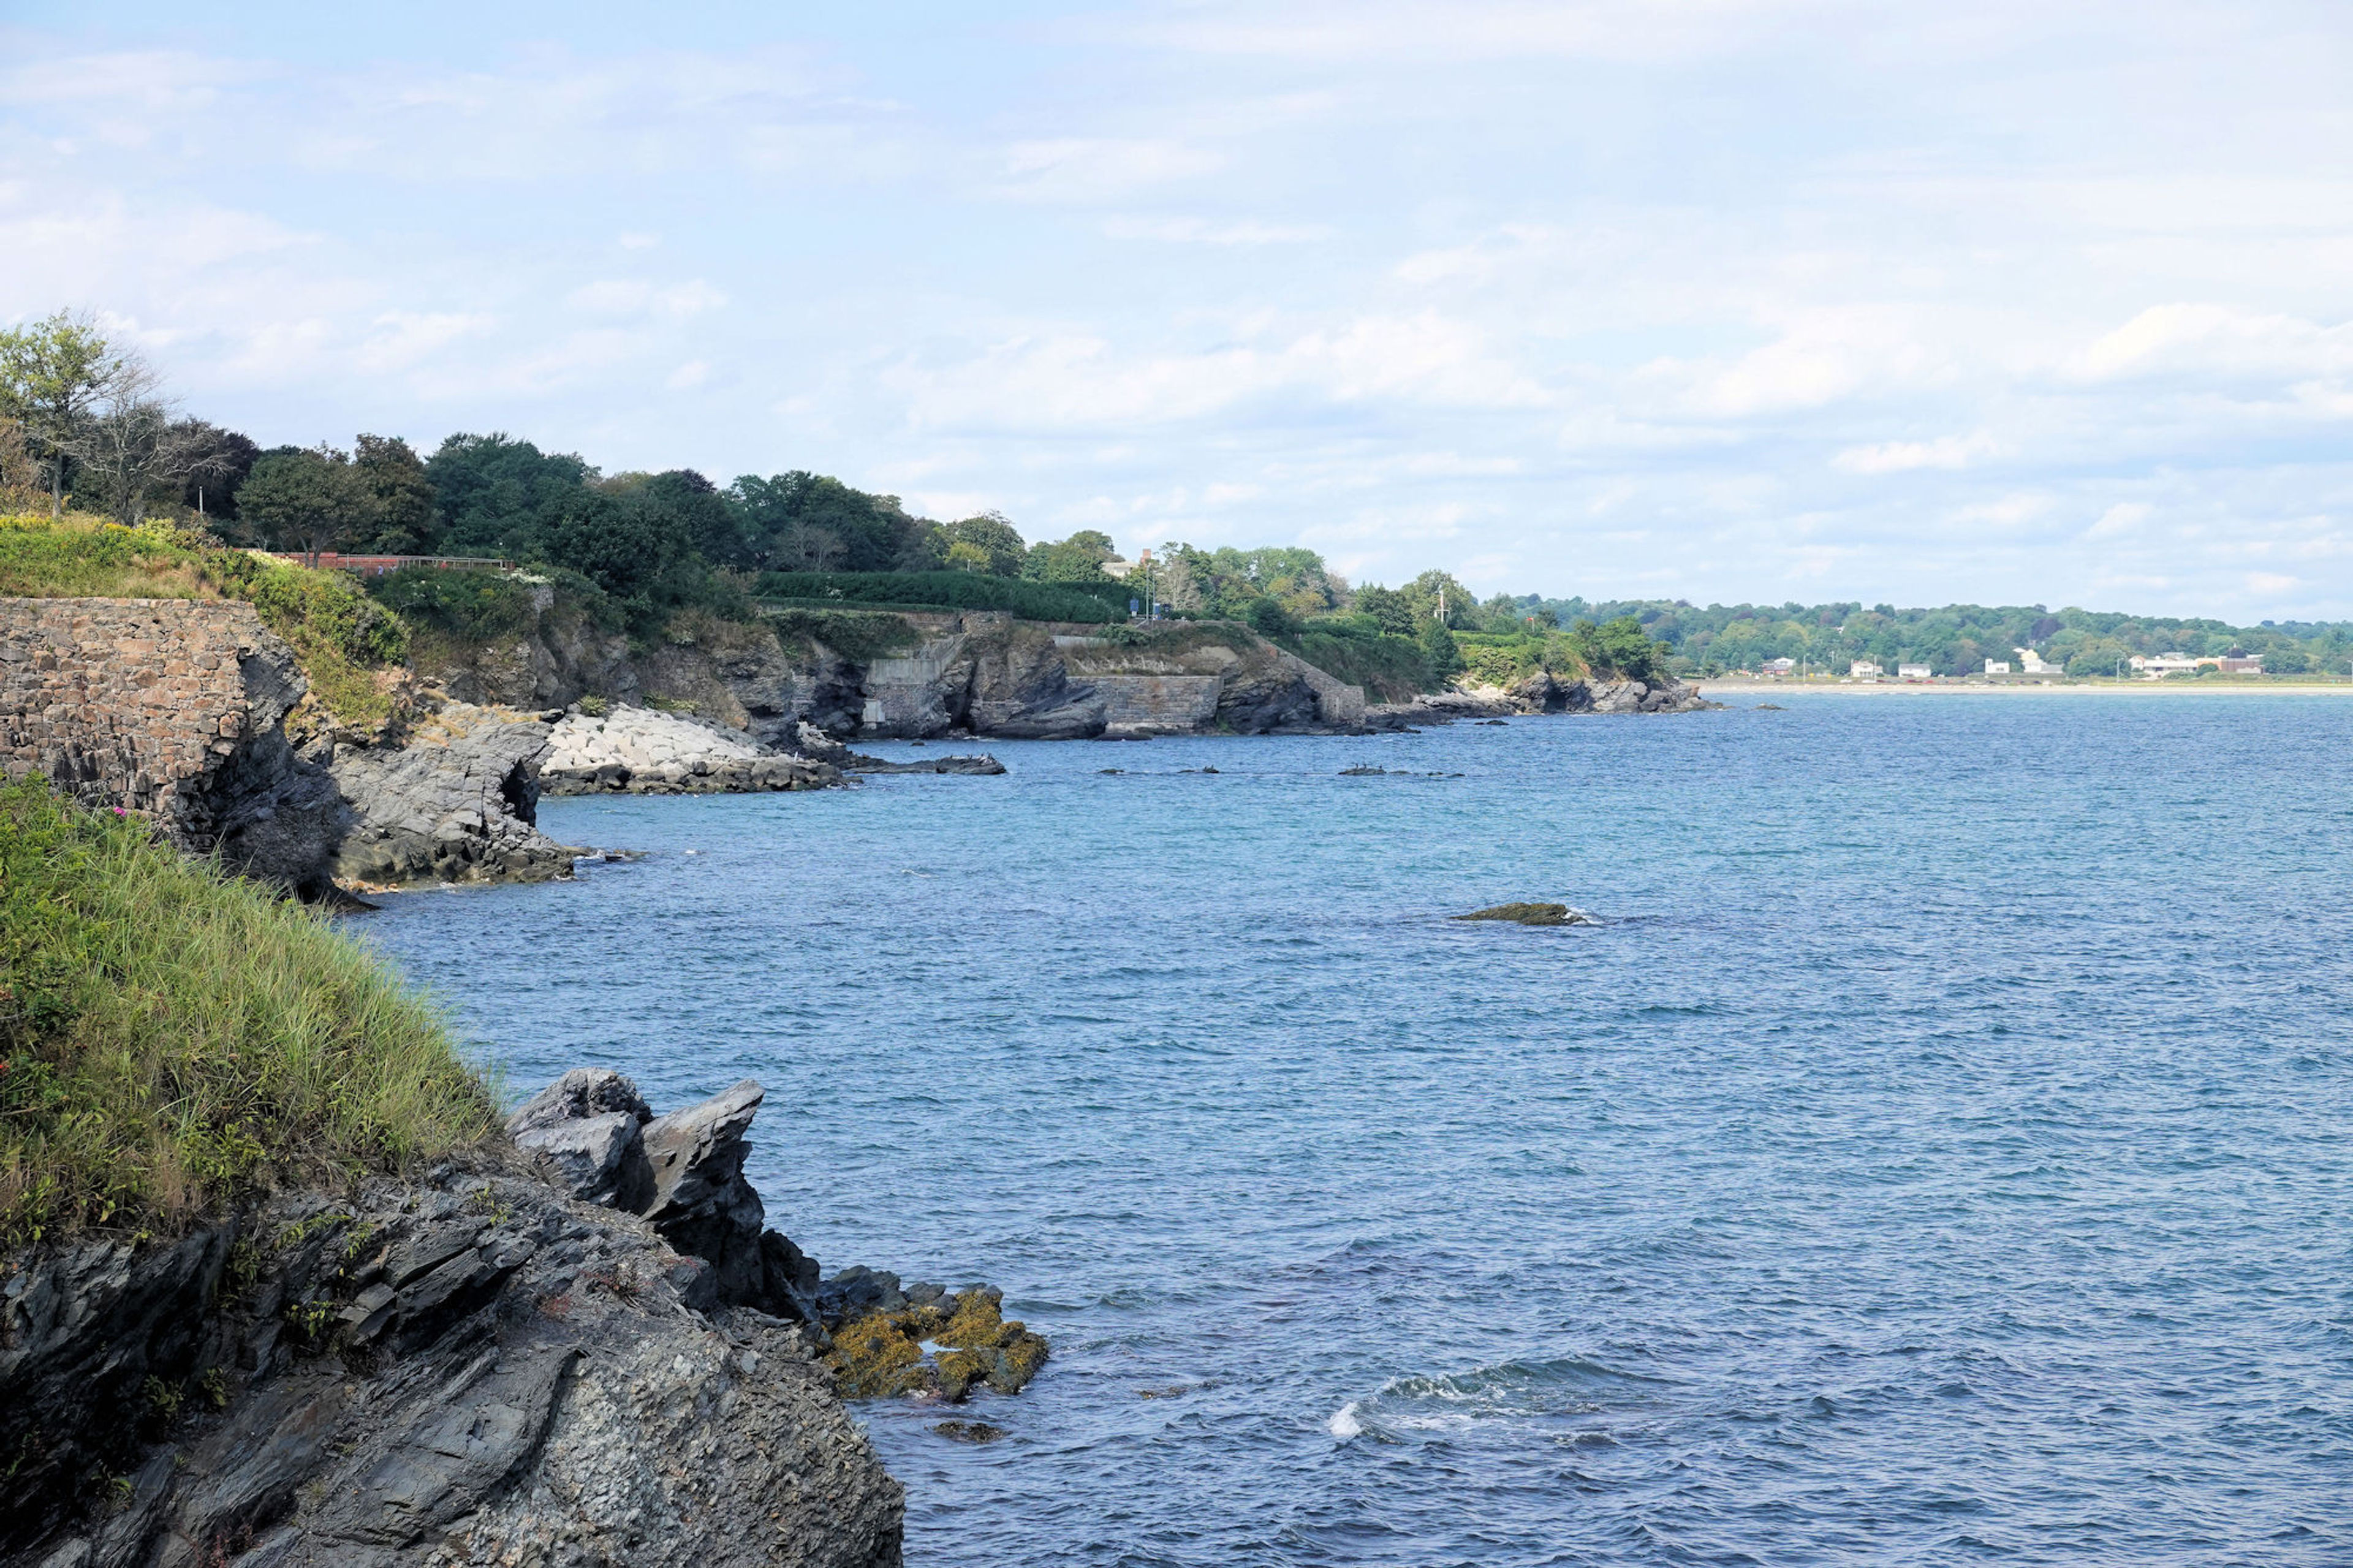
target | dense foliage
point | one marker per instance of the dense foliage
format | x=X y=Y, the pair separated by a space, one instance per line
x=172 y=1038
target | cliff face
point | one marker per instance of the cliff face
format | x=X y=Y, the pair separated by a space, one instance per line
x=180 y=710
x=983 y=673
x=473 y=1369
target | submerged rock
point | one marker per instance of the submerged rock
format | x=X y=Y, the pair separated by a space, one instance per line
x=881 y=1353
x=1531 y=915
x=981 y=766
x=968 y=1431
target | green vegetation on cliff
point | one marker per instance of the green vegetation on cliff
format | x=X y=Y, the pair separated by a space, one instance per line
x=172 y=1039
x=950 y=590
x=342 y=636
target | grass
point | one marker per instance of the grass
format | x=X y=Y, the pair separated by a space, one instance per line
x=340 y=637
x=173 y=1040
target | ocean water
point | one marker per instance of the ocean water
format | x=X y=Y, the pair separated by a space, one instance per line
x=1941 y=1151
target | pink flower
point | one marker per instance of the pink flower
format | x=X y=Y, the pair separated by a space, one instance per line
x=119 y=812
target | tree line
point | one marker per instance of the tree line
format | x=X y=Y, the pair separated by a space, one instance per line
x=85 y=422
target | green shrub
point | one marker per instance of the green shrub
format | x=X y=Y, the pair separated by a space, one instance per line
x=465 y=602
x=859 y=637
x=173 y=1039
x=950 y=591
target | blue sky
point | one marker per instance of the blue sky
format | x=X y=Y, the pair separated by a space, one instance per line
x=1718 y=298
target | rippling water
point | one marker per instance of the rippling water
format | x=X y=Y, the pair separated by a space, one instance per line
x=1941 y=1153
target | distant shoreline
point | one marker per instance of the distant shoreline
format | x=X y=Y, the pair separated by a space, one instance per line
x=1719 y=688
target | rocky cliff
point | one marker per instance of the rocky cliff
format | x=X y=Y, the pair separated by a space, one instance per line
x=475 y=1367
x=981 y=674
x=1544 y=692
x=191 y=713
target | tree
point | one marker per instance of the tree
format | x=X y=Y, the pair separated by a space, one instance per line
x=623 y=544
x=1267 y=618
x=990 y=534
x=404 y=523
x=311 y=500
x=129 y=444
x=1078 y=559
x=965 y=556
x=1388 y=608
x=495 y=495
x=53 y=377
x=1618 y=645
x=210 y=488
x=1442 y=652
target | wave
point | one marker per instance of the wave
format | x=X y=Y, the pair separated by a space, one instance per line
x=1506 y=1391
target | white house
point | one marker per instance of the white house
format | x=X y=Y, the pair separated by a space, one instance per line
x=1863 y=669
x=2166 y=663
x=1780 y=665
x=1913 y=672
x=1997 y=666
x=2033 y=663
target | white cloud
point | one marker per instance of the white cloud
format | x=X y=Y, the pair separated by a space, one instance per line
x=1091 y=169
x=1203 y=231
x=2217 y=340
x=403 y=338
x=1900 y=457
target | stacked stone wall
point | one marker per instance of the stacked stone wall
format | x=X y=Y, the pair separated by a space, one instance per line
x=128 y=702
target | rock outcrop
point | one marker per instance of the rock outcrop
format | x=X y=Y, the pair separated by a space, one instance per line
x=643 y=751
x=1542 y=692
x=682 y=1172
x=451 y=797
x=473 y=1369
x=180 y=711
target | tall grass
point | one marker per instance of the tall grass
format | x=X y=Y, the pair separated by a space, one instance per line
x=172 y=1038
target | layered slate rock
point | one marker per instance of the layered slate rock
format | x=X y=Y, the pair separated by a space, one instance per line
x=683 y=1173
x=473 y=1370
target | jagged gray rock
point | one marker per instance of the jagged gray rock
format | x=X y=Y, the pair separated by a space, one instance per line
x=473 y=1370
x=683 y=1173
x=453 y=798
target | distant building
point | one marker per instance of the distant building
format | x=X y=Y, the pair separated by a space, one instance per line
x=2166 y=663
x=2033 y=663
x=1914 y=673
x=2240 y=664
x=1863 y=669
x=1997 y=666
x=1780 y=665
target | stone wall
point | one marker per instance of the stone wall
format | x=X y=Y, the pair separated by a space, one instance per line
x=132 y=703
x=1139 y=703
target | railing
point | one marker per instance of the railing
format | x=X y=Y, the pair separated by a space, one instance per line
x=377 y=565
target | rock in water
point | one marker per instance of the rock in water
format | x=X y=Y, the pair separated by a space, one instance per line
x=1531 y=915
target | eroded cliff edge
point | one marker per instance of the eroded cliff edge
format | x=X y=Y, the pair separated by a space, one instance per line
x=191 y=712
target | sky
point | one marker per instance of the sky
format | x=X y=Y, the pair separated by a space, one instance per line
x=1721 y=300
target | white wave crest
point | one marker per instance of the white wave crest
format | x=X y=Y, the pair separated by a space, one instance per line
x=1344 y=1423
